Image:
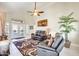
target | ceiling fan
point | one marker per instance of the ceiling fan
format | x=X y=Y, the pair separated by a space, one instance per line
x=35 y=12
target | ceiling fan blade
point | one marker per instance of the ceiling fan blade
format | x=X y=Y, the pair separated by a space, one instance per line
x=38 y=14
x=32 y=14
x=40 y=11
x=29 y=11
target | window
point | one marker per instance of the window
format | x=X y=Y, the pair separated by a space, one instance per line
x=7 y=28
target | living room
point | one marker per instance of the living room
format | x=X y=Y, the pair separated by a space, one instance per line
x=20 y=24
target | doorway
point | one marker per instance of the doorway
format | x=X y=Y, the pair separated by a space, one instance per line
x=15 y=29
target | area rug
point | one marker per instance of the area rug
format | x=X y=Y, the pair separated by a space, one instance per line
x=27 y=48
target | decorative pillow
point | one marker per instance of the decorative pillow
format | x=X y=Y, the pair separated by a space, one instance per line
x=50 y=42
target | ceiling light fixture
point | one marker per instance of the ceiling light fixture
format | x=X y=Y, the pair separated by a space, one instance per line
x=36 y=12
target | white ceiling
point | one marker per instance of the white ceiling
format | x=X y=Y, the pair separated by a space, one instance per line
x=23 y=6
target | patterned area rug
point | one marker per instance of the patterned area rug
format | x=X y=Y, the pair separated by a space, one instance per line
x=27 y=47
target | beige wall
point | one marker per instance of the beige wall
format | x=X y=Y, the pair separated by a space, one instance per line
x=53 y=13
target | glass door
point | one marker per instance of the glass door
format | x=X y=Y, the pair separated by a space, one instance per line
x=15 y=29
x=18 y=30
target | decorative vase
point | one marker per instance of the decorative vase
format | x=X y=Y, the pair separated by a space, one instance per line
x=67 y=42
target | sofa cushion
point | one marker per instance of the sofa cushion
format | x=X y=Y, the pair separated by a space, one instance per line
x=56 y=42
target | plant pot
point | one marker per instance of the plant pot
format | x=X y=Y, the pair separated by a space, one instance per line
x=67 y=44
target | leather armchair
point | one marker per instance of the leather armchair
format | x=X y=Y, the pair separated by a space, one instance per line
x=54 y=50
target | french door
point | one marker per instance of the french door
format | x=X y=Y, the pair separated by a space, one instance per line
x=15 y=29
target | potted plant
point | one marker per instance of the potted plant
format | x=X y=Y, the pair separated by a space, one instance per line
x=66 y=26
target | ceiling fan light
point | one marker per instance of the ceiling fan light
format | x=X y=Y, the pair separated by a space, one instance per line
x=35 y=10
x=35 y=14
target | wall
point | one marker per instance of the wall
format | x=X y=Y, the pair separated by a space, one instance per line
x=20 y=15
x=53 y=12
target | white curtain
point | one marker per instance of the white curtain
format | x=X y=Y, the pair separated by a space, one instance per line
x=2 y=22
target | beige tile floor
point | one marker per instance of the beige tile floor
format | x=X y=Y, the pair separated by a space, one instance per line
x=72 y=51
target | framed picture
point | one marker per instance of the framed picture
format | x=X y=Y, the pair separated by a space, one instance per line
x=43 y=22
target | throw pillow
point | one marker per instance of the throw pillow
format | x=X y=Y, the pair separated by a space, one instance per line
x=50 y=42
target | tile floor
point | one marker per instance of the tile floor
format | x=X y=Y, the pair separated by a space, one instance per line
x=72 y=51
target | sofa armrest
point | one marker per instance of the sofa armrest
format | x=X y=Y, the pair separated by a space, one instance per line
x=47 y=48
x=46 y=51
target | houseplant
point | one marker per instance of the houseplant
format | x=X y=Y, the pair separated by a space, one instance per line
x=66 y=26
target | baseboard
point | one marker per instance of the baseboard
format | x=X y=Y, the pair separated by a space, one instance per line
x=76 y=45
